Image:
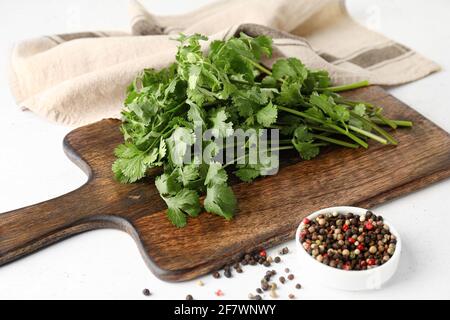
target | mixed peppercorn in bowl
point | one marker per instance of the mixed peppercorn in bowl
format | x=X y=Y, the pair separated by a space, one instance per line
x=348 y=248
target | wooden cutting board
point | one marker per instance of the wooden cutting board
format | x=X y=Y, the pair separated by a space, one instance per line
x=269 y=209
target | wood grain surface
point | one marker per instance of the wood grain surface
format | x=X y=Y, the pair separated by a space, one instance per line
x=269 y=208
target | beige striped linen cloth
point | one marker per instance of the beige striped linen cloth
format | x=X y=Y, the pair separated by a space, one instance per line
x=80 y=78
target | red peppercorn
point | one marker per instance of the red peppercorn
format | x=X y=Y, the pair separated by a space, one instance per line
x=262 y=253
x=306 y=221
x=363 y=263
x=370 y=262
x=368 y=226
x=347 y=266
x=219 y=293
x=351 y=240
x=303 y=234
x=360 y=247
x=345 y=227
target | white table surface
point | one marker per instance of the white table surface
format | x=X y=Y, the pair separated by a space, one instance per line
x=106 y=264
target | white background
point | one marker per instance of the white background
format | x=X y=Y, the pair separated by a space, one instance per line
x=107 y=264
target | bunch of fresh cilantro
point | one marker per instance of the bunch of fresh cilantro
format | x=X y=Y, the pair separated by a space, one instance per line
x=225 y=89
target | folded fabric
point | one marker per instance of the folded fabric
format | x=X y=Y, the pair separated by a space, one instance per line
x=80 y=78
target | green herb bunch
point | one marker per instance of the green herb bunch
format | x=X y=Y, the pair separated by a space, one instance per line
x=226 y=89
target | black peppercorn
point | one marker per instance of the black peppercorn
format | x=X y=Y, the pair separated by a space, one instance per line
x=146 y=292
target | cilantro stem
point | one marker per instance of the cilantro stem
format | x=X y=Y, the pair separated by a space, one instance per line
x=300 y=114
x=320 y=144
x=378 y=119
x=352 y=103
x=375 y=127
x=244 y=156
x=275 y=126
x=317 y=128
x=383 y=120
x=326 y=124
x=282 y=148
x=346 y=87
x=368 y=134
x=336 y=141
x=387 y=121
x=176 y=107
x=348 y=134
x=244 y=82
x=398 y=123
x=163 y=135
x=259 y=66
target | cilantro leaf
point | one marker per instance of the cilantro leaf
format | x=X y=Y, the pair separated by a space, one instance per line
x=168 y=184
x=267 y=115
x=188 y=173
x=303 y=142
x=162 y=151
x=178 y=144
x=216 y=174
x=360 y=109
x=307 y=150
x=317 y=79
x=260 y=46
x=220 y=127
x=220 y=200
x=194 y=75
x=184 y=202
x=247 y=173
x=250 y=100
x=290 y=93
x=132 y=163
x=195 y=113
x=338 y=113
x=291 y=69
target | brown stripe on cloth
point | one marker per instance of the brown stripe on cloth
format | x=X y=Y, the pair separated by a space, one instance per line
x=331 y=58
x=143 y=25
x=79 y=35
x=397 y=59
x=328 y=57
x=375 y=56
x=53 y=39
x=254 y=30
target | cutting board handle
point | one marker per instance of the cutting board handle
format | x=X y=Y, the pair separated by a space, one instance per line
x=29 y=229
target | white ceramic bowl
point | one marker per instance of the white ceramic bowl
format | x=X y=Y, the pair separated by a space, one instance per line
x=353 y=280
